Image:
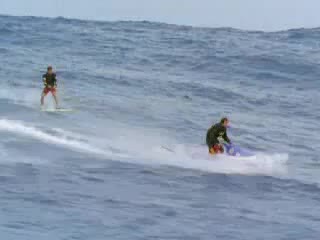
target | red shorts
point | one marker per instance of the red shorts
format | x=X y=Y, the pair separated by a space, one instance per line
x=217 y=148
x=46 y=90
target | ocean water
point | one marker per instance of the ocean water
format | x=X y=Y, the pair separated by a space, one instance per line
x=130 y=161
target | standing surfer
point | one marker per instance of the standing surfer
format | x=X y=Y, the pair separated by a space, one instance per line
x=50 y=85
x=215 y=132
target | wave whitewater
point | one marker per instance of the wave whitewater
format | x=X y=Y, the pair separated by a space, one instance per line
x=189 y=157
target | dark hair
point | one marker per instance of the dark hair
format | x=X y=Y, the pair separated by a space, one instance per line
x=224 y=119
x=49 y=68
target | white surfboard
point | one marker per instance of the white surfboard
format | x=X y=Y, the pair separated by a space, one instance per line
x=58 y=110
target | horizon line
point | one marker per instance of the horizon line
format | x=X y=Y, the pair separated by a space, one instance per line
x=155 y=22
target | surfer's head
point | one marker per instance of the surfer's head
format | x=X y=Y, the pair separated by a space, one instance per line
x=49 y=69
x=225 y=122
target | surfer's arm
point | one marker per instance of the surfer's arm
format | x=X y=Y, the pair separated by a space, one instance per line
x=44 y=80
x=226 y=138
x=55 y=81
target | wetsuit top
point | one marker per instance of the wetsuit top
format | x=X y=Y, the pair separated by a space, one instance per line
x=49 y=80
x=215 y=132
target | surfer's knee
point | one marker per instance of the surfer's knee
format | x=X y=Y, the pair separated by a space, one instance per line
x=217 y=148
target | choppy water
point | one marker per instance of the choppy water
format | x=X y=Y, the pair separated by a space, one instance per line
x=131 y=163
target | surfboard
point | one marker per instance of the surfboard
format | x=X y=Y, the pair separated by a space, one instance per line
x=58 y=110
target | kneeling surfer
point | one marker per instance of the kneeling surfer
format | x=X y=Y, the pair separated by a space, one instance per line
x=215 y=132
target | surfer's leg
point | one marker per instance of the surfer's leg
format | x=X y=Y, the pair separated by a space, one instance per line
x=43 y=94
x=42 y=100
x=213 y=146
x=211 y=150
x=54 y=94
x=217 y=148
x=221 y=149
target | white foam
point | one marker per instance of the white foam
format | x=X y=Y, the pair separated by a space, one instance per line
x=143 y=149
x=26 y=97
x=23 y=97
x=21 y=129
x=196 y=157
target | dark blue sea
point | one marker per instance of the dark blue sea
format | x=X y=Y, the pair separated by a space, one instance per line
x=130 y=161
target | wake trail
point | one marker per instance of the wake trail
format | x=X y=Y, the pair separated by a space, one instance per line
x=141 y=151
x=20 y=129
